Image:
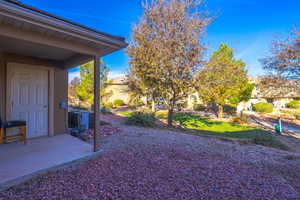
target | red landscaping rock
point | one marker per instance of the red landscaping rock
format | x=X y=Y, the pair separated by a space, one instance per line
x=156 y=173
x=105 y=131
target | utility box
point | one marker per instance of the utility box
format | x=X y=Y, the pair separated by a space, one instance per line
x=79 y=120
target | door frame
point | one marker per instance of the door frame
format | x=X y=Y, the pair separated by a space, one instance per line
x=50 y=71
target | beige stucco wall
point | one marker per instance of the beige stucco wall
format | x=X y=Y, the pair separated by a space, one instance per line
x=60 y=93
x=2 y=88
x=118 y=92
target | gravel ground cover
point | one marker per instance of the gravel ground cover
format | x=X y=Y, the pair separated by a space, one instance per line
x=139 y=163
x=105 y=130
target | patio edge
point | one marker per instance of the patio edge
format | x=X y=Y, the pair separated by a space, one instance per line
x=23 y=179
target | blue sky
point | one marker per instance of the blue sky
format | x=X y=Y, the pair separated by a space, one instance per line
x=247 y=26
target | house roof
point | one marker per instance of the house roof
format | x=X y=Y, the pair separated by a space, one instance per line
x=12 y=10
x=31 y=32
x=282 y=89
x=22 y=5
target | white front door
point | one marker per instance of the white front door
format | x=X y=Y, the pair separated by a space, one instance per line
x=28 y=97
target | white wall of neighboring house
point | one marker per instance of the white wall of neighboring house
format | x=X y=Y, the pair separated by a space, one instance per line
x=121 y=92
x=192 y=100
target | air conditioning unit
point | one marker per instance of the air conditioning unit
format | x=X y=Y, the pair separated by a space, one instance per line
x=79 y=120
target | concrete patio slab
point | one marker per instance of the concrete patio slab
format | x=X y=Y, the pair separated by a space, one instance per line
x=19 y=162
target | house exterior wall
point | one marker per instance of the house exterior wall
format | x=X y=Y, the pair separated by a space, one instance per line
x=60 y=95
x=192 y=100
x=60 y=89
x=281 y=102
x=2 y=88
x=118 y=92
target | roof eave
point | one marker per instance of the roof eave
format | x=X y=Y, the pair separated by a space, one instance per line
x=53 y=23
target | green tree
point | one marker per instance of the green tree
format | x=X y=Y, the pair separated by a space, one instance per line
x=72 y=95
x=137 y=90
x=222 y=78
x=166 y=49
x=244 y=94
x=85 y=90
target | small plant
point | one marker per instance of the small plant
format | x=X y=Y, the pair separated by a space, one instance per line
x=105 y=110
x=103 y=123
x=199 y=107
x=141 y=119
x=292 y=157
x=162 y=114
x=181 y=105
x=269 y=140
x=241 y=120
x=118 y=103
x=293 y=104
x=109 y=104
x=263 y=107
x=229 y=109
x=136 y=103
x=297 y=115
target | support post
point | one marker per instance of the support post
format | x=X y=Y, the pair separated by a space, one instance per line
x=96 y=99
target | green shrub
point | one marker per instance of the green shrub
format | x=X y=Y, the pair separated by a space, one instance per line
x=141 y=119
x=297 y=115
x=199 y=107
x=161 y=114
x=103 y=123
x=109 y=104
x=181 y=105
x=118 y=103
x=292 y=157
x=230 y=110
x=241 y=120
x=269 y=140
x=293 y=104
x=105 y=110
x=263 y=107
x=136 y=103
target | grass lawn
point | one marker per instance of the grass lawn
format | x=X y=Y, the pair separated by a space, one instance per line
x=195 y=122
x=124 y=114
x=206 y=126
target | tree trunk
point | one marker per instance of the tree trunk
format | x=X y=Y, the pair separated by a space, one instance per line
x=170 y=117
x=153 y=106
x=171 y=110
x=220 y=112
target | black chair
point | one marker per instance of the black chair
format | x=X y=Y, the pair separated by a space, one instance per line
x=20 y=136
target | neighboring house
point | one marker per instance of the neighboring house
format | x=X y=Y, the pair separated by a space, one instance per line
x=278 y=96
x=36 y=51
x=119 y=89
x=192 y=100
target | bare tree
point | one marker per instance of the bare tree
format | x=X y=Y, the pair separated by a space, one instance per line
x=166 y=50
x=283 y=66
x=285 y=61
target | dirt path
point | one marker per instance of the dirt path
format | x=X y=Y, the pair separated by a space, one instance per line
x=290 y=135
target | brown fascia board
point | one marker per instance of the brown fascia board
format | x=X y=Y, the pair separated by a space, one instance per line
x=23 y=12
